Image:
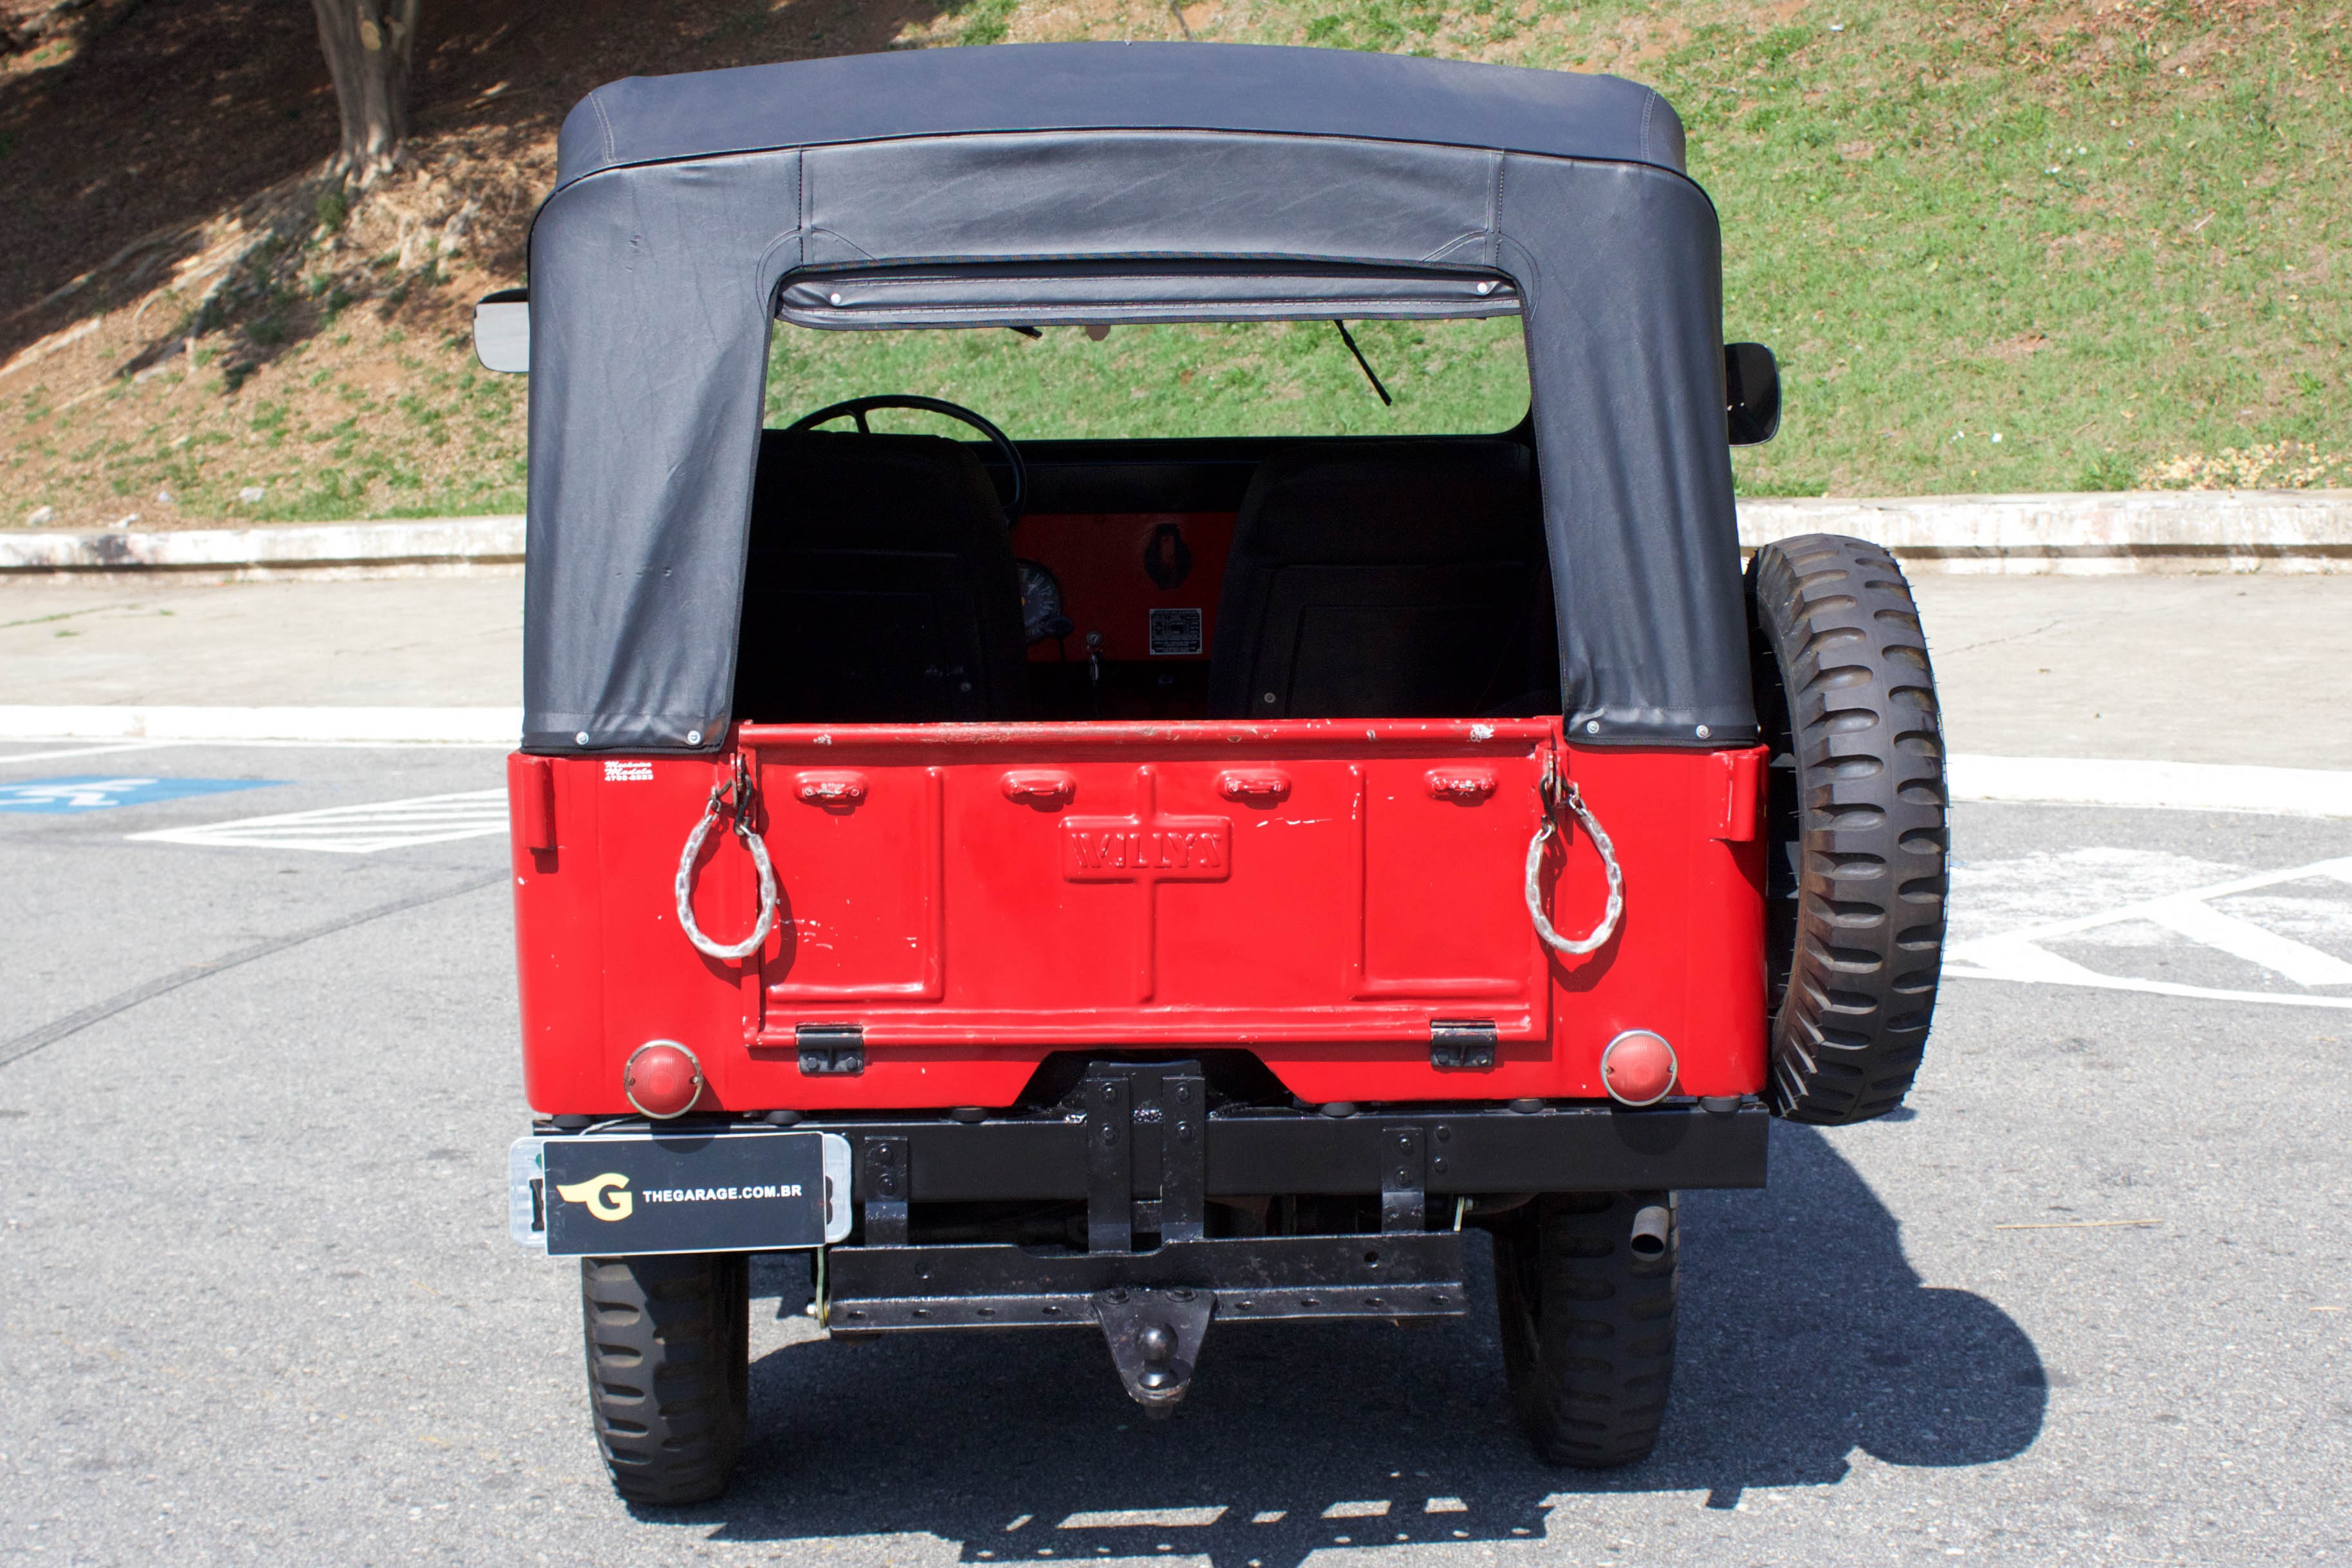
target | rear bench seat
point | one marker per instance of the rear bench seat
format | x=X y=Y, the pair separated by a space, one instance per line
x=880 y=586
x=1387 y=579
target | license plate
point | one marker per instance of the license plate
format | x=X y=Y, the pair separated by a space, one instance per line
x=627 y=1194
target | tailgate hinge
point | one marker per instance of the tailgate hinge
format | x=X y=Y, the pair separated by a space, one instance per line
x=831 y=1049
x=1461 y=1042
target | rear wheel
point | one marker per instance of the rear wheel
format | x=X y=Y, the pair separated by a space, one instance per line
x=669 y=1370
x=1584 y=1283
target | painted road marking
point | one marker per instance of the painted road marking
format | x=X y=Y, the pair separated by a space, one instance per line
x=109 y=750
x=100 y=793
x=2200 y=922
x=2175 y=786
x=2021 y=955
x=499 y=726
x=356 y=830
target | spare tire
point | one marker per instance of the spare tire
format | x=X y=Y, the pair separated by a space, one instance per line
x=1855 y=828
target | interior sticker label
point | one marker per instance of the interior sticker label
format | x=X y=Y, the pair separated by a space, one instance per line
x=1175 y=632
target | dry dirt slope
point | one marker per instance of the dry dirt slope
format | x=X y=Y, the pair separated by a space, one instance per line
x=2111 y=233
x=202 y=313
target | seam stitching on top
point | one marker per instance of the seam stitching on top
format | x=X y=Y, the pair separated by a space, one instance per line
x=1495 y=213
x=611 y=152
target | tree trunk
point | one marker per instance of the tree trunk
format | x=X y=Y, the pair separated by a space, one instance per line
x=368 y=44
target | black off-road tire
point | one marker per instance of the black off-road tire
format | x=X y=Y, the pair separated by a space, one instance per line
x=1588 y=1325
x=668 y=1371
x=1855 y=825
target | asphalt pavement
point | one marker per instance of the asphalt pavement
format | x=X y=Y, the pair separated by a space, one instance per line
x=262 y=1306
x=2087 y=1301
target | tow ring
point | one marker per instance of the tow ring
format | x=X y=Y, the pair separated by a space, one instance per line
x=734 y=795
x=1556 y=794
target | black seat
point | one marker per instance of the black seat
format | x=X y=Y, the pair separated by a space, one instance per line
x=1387 y=579
x=880 y=586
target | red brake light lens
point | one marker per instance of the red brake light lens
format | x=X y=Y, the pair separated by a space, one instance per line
x=662 y=1079
x=1638 y=1068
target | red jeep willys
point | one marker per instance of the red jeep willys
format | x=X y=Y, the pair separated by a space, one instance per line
x=1145 y=882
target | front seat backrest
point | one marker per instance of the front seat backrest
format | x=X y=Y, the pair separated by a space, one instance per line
x=880 y=588
x=1384 y=579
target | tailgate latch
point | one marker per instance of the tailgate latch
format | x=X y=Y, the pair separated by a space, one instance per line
x=1459 y=1043
x=831 y=1050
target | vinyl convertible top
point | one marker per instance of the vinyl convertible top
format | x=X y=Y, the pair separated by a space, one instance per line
x=1112 y=183
x=1117 y=86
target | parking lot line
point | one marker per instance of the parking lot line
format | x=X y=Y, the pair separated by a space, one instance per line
x=2174 y=786
x=354 y=830
x=108 y=750
x=2299 y=962
x=2021 y=956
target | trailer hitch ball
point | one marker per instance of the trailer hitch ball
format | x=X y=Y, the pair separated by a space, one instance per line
x=1155 y=1340
x=1158 y=1344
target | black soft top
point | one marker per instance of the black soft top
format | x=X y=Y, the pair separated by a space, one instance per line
x=1085 y=182
x=1117 y=86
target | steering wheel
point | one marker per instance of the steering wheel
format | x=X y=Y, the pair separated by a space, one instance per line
x=858 y=407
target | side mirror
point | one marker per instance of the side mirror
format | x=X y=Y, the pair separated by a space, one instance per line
x=502 y=331
x=1751 y=393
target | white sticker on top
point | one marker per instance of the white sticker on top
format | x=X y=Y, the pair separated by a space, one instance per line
x=628 y=772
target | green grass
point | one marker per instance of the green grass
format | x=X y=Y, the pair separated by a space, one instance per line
x=2113 y=234
x=1275 y=379
x=449 y=443
x=2115 y=244
x=1950 y=232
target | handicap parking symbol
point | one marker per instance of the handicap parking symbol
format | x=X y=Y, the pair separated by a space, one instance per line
x=98 y=793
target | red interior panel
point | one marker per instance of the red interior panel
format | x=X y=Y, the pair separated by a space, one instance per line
x=1104 y=560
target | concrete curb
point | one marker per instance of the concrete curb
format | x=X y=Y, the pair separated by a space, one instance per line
x=2048 y=780
x=426 y=547
x=2087 y=535
x=2167 y=530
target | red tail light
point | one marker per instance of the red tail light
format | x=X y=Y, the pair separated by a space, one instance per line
x=662 y=1079
x=1637 y=1068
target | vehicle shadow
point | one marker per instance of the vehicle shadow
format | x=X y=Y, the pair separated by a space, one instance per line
x=1805 y=1336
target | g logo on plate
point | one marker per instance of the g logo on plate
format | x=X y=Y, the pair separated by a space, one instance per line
x=602 y=1194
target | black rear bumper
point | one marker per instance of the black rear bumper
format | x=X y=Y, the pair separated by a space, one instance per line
x=1255 y=1151
x=1130 y=1166
x=1137 y=1145
x=875 y=1289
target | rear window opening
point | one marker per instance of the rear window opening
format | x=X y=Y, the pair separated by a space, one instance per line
x=1220 y=520
x=1182 y=381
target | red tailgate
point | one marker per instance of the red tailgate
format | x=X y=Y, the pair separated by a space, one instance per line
x=972 y=898
x=1167 y=884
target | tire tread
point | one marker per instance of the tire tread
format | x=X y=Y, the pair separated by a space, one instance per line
x=667 y=1340
x=1845 y=685
x=1587 y=1328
